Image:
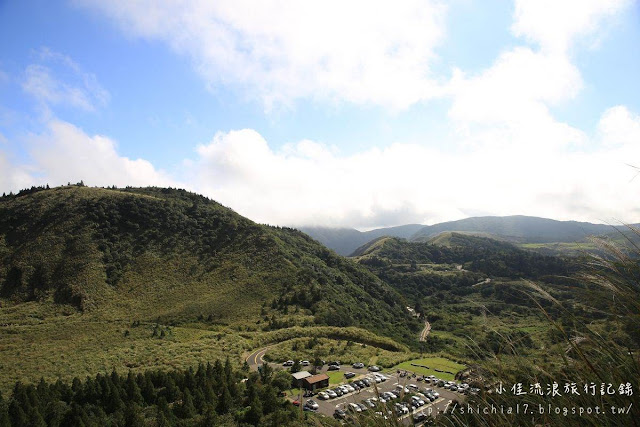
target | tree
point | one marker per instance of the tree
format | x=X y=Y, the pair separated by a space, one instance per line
x=133 y=416
x=186 y=409
x=254 y=414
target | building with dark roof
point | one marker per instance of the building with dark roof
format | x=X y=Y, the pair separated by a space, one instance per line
x=316 y=382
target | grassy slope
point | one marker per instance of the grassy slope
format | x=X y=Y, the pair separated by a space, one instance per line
x=78 y=266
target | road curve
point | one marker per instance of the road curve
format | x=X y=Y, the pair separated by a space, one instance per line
x=425 y=331
x=256 y=358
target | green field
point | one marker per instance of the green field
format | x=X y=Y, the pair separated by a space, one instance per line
x=433 y=363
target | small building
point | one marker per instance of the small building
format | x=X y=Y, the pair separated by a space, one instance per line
x=298 y=377
x=316 y=382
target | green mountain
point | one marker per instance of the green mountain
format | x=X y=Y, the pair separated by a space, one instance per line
x=469 y=252
x=518 y=228
x=346 y=240
x=76 y=260
x=543 y=235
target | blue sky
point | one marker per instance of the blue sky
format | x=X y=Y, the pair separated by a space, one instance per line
x=371 y=114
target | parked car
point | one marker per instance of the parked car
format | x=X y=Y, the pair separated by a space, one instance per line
x=419 y=417
x=362 y=407
x=333 y=368
x=337 y=391
x=354 y=408
x=389 y=395
x=349 y=375
x=312 y=404
x=358 y=365
x=340 y=414
x=332 y=394
x=296 y=403
x=400 y=389
x=417 y=401
x=374 y=368
x=323 y=395
x=304 y=363
x=401 y=409
x=381 y=376
x=366 y=381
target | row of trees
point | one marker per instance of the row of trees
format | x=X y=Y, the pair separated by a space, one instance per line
x=211 y=395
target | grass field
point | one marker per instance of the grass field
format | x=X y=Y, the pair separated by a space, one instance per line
x=335 y=377
x=330 y=349
x=434 y=364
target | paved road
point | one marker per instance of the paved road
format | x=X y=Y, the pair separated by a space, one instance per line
x=256 y=358
x=425 y=331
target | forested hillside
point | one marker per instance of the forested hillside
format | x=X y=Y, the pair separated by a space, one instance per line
x=132 y=265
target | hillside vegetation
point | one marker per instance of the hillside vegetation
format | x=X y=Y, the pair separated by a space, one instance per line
x=472 y=290
x=147 y=264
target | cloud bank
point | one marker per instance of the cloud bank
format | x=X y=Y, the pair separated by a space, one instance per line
x=509 y=154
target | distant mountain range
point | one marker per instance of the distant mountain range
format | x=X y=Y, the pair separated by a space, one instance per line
x=346 y=240
x=516 y=229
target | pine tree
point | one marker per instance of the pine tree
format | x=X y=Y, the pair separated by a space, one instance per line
x=210 y=418
x=165 y=416
x=186 y=409
x=133 y=391
x=4 y=413
x=133 y=416
x=16 y=414
x=254 y=414
x=224 y=403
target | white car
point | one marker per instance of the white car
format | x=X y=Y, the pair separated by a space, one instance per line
x=332 y=394
x=354 y=408
x=304 y=362
x=402 y=409
x=417 y=401
x=323 y=395
x=312 y=404
x=381 y=376
x=399 y=389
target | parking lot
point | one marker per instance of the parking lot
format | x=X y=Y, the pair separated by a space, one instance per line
x=328 y=407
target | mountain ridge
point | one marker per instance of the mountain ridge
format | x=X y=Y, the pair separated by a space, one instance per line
x=513 y=228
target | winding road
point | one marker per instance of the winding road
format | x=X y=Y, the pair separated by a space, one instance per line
x=256 y=358
x=425 y=331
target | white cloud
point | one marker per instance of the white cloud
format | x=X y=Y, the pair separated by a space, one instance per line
x=77 y=89
x=12 y=176
x=309 y=184
x=555 y=25
x=64 y=153
x=365 y=52
x=518 y=86
x=619 y=127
